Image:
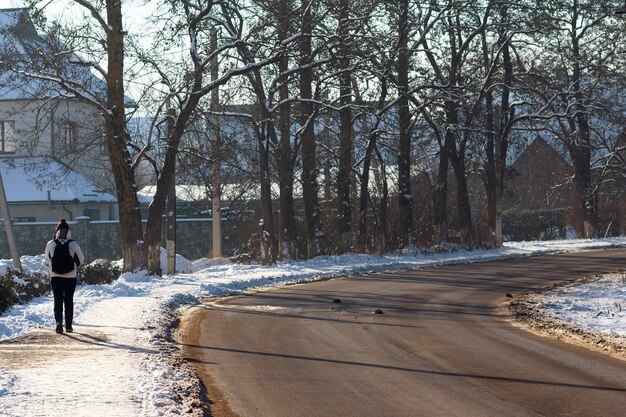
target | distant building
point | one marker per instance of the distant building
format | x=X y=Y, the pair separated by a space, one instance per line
x=540 y=178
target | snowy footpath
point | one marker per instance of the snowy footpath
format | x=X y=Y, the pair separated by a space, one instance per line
x=120 y=360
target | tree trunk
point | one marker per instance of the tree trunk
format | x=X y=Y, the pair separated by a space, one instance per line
x=364 y=195
x=287 y=226
x=157 y=206
x=216 y=158
x=507 y=113
x=384 y=203
x=371 y=131
x=448 y=146
x=313 y=231
x=580 y=143
x=405 y=197
x=115 y=126
x=462 y=196
x=171 y=208
x=440 y=196
x=265 y=137
x=344 y=174
x=490 y=168
x=267 y=240
x=328 y=185
x=457 y=156
x=587 y=197
x=497 y=129
x=153 y=230
x=580 y=150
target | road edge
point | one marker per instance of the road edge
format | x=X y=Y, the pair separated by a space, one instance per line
x=186 y=335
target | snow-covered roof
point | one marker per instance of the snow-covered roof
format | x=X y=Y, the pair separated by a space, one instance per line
x=10 y=87
x=188 y=193
x=20 y=41
x=41 y=179
x=252 y=190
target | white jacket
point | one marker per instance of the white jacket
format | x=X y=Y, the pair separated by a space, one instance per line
x=74 y=250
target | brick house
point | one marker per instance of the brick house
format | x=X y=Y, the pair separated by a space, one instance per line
x=540 y=178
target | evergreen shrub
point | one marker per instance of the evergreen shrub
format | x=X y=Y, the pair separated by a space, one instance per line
x=520 y=225
x=18 y=287
x=100 y=271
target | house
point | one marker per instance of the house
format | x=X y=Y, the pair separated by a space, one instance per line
x=38 y=118
x=540 y=178
x=52 y=155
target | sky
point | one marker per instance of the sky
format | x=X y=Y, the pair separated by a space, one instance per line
x=134 y=11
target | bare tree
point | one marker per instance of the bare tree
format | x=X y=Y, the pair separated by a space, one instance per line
x=250 y=54
x=200 y=19
x=310 y=186
x=405 y=195
x=286 y=157
x=450 y=114
x=497 y=122
x=580 y=45
x=185 y=87
x=52 y=59
x=344 y=173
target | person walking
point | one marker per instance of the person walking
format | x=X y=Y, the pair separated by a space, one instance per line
x=64 y=257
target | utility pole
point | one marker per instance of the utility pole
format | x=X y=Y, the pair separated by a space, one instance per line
x=8 y=225
x=216 y=159
x=171 y=204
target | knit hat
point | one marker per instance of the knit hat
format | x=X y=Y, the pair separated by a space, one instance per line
x=62 y=225
x=62 y=230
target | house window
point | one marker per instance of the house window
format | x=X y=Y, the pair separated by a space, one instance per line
x=70 y=137
x=7 y=136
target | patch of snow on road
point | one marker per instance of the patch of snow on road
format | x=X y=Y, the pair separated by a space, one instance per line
x=597 y=305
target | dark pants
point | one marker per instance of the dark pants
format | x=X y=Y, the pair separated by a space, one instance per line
x=63 y=290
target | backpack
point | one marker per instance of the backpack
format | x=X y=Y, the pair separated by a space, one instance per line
x=62 y=261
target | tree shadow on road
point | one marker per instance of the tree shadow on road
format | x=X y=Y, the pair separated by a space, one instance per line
x=412 y=370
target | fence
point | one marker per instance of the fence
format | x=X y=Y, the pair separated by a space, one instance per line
x=101 y=239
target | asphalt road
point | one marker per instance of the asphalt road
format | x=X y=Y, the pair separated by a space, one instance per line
x=441 y=348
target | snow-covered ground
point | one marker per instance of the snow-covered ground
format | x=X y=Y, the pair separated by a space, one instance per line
x=123 y=365
x=595 y=306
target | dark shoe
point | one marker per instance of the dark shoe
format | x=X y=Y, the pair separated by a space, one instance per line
x=59 y=329
x=69 y=328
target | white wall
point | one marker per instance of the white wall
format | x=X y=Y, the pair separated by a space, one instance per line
x=53 y=212
x=40 y=131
